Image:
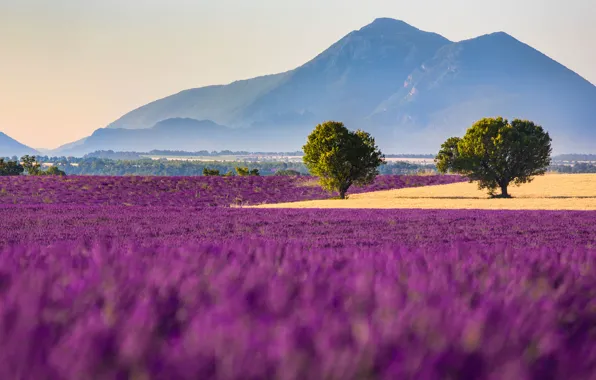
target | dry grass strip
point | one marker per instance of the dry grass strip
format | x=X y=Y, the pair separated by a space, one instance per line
x=548 y=192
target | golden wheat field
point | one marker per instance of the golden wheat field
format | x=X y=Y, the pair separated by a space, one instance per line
x=548 y=192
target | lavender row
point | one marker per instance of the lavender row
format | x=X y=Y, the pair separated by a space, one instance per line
x=47 y=224
x=184 y=191
x=261 y=310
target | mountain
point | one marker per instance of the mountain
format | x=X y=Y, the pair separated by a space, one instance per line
x=359 y=63
x=410 y=88
x=10 y=147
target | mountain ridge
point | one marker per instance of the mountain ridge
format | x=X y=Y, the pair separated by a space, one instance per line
x=408 y=87
x=10 y=147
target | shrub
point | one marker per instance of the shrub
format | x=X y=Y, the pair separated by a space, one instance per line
x=210 y=172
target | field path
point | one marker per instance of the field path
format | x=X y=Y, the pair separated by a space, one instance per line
x=548 y=192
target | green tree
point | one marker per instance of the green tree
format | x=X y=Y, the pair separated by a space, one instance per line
x=254 y=172
x=341 y=158
x=496 y=153
x=242 y=171
x=210 y=172
x=10 y=168
x=31 y=165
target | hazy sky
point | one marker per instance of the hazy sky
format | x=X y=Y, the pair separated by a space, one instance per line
x=68 y=67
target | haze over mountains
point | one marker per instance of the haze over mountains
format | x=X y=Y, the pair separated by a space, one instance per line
x=410 y=88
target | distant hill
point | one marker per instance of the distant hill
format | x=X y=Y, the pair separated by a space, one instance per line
x=10 y=147
x=171 y=134
x=410 y=88
x=70 y=149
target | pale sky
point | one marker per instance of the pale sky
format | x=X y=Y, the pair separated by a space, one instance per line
x=69 y=67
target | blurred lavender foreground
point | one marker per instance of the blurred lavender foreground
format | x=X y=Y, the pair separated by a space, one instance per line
x=263 y=310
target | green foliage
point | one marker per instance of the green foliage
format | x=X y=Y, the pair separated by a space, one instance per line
x=288 y=172
x=575 y=157
x=109 y=167
x=495 y=153
x=341 y=158
x=448 y=155
x=210 y=172
x=242 y=171
x=54 y=170
x=31 y=165
x=10 y=168
x=578 y=167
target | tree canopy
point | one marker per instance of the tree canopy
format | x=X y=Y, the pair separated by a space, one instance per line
x=10 y=168
x=496 y=153
x=341 y=158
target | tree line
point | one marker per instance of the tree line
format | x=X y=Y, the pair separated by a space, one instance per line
x=148 y=167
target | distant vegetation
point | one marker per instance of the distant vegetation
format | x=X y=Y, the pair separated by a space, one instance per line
x=110 y=154
x=288 y=172
x=575 y=157
x=95 y=166
x=210 y=172
x=26 y=164
x=107 y=167
x=495 y=153
x=576 y=168
x=240 y=171
x=429 y=156
x=133 y=156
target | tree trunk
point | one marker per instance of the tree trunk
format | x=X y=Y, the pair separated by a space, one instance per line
x=343 y=190
x=504 y=193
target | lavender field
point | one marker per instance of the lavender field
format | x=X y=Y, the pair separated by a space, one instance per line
x=137 y=278
x=173 y=226
x=185 y=191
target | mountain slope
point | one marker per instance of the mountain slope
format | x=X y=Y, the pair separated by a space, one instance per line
x=411 y=89
x=492 y=75
x=219 y=103
x=10 y=147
